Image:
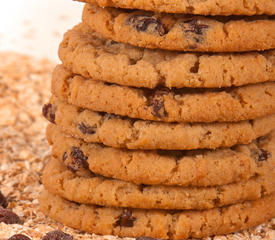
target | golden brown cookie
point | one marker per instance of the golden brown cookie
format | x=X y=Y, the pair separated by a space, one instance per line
x=85 y=187
x=176 y=105
x=185 y=168
x=158 y=223
x=123 y=132
x=87 y=53
x=182 y=32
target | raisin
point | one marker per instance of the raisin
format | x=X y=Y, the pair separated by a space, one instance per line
x=57 y=235
x=19 y=237
x=8 y=217
x=48 y=112
x=260 y=154
x=79 y=160
x=125 y=219
x=85 y=129
x=194 y=26
x=158 y=108
x=157 y=102
x=264 y=155
x=3 y=201
x=147 y=24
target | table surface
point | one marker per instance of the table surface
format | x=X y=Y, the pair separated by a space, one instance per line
x=35 y=27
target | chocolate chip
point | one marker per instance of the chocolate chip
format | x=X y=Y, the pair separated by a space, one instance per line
x=125 y=219
x=260 y=154
x=19 y=237
x=79 y=160
x=157 y=102
x=48 y=112
x=57 y=235
x=147 y=24
x=86 y=129
x=8 y=217
x=3 y=201
x=194 y=26
x=65 y=156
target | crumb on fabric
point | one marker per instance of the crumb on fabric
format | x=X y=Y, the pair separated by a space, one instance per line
x=24 y=88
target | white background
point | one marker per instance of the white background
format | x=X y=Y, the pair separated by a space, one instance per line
x=35 y=27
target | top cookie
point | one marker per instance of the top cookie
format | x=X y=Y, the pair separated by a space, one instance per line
x=182 y=32
x=206 y=7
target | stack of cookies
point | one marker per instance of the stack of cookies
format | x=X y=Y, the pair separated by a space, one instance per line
x=162 y=119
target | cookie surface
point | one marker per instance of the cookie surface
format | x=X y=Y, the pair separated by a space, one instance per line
x=119 y=132
x=158 y=223
x=217 y=7
x=81 y=185
x=185 y=168
x=92 y=56
x=176 y=105
x=181 y=32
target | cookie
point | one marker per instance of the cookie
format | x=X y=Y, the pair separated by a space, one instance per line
x=182 y=32
x=217 y=7
x=74 y=181
x=158 y=223
x=161 y=104
x=185 y=168
x=92 y=56
x=94 y=189
x=123 y=132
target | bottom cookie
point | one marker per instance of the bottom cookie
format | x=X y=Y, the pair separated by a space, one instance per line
x=158 y=223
